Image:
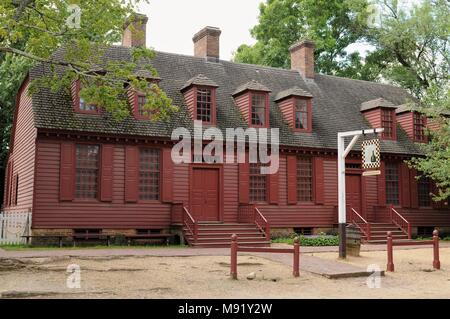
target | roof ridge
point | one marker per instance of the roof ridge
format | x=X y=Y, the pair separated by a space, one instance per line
x=359 y=80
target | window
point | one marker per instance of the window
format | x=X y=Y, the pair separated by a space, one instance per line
x=87 y=168
x=204 y=105
x=304 y=179
x=149 y=168
x=392 y=184
x=81 y=105
x=87 y=107
x=301 y=114
x=424 y=191
x=258 y=183
x=259 y=109
x=419 y=127
x=141 y=101
x=16 y=189
x=387 y=122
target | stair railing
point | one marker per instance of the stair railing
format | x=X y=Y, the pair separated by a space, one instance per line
x=262 y=223
x=400 y=221
x=360 y=222
x=190 y=223
x=249 y=213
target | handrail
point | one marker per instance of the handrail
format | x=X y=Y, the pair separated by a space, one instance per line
x=187 y=217
x=266 y=228
x=366 y=228
x=403 y=224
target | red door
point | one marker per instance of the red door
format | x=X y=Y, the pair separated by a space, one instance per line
x=205 y=194
x=353 y=189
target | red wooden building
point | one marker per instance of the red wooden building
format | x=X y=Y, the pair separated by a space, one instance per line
x=77 y=169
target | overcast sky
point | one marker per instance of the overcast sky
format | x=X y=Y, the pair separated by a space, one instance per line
x=173 y=23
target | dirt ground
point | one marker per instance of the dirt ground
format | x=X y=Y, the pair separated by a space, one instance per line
x=208 y=277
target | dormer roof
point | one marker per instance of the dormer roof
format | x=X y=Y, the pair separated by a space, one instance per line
x=252 y=86
x=373 y=104
x=200 y=80
x=294 y=91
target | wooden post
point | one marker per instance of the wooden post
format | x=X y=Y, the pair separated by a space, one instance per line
x=436 y=262
x=233 y=262
x=390 y=253
x=296 y=270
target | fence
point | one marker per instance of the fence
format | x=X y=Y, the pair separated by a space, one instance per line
x=13 y=226
x=235 y=248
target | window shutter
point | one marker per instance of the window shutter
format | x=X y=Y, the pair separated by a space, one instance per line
x=405 y=186
x=8 y=182
x=244 y=183
x=273 y=188
x=414 y=190
x=382 y=185
x=67 y=172
x=167 y=177
x=131 y=174
x=292 y=179
x=318 y=180
x=106 y=182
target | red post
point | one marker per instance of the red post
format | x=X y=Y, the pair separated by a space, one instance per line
x=296 y=270
x=409 y=231
x=390 y=253
x=233 y=263
x=436 y=262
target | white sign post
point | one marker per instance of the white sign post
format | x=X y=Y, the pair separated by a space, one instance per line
x=342 y=154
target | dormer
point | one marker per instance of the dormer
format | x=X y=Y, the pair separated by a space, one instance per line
x=412 y=122
x=296 y=106
x=79 y=104
x=200 y=98
x=434 y=124
x=137 y=99
x=252 y=99
x=381 y=113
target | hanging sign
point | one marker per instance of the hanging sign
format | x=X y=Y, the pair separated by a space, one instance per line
x=371 y=157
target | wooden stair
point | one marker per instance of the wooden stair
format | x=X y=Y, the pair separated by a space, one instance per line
x=378 y=233
x=219 y=235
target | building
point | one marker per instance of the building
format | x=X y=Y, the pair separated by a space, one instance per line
x=77 y=169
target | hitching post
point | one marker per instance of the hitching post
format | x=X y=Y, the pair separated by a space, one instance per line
x=233 y=261
x=436 y=262
x=342 y=154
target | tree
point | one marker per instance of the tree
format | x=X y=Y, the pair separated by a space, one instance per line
x=31 y=31
x=332 y=24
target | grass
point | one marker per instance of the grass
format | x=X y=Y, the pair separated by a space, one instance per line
x=21 y=247
x=309 y=241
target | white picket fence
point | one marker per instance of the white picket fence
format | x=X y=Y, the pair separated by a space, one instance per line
x=13 y=226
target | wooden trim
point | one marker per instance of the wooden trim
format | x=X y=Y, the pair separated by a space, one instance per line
x=213 y=103
x=76 y=88
x=309 y=115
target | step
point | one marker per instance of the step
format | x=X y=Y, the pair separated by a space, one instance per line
x=224 y=245
x=227 y=239
x=228 y=235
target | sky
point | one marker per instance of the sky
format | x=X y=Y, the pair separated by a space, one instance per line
x=173 y=23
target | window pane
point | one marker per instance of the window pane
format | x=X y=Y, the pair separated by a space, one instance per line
x=387 y=123
x=87 y=162
x=424 y=191
x=258 y=109
x=304 y=179
x=87 y=107
x=392 y=184
x=419 y=127
x=301 y=114
x=204 y=104
x=258 y=183
x=149 y=162
x=142 y=100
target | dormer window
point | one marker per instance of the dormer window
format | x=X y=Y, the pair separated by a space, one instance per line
x=252 y=99
x=419 y=122
x=381 y=113
x=296 y=106
x=259 y=109
x=141 y=101
x=200 y=98
x=80 y=105
x=388 y=123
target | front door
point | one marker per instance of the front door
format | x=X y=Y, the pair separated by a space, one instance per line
x=353 y=189
x=205 y=194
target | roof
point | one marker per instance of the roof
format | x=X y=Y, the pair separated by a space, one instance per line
x=336 y=102
x=295 y=91
x=199 y=79
x=380 y=102
x=251 y=85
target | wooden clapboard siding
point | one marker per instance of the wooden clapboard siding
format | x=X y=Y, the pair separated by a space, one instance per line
x=243 y=104
x=374 y=117
x=190 y=100
x=50 y=212
x=287 y=107
x=22 y=153
x=406 y=121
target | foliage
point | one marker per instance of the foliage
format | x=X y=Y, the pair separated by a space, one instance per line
x=332 y=24
x=309 y=240
x=47 y=25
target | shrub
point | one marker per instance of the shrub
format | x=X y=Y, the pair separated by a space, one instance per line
x=309 y=241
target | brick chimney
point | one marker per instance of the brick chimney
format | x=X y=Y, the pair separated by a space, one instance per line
x=207 y=43
x=134 y=31
x=302 y=58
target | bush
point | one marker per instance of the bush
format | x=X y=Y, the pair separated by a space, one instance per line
x=309 y=241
